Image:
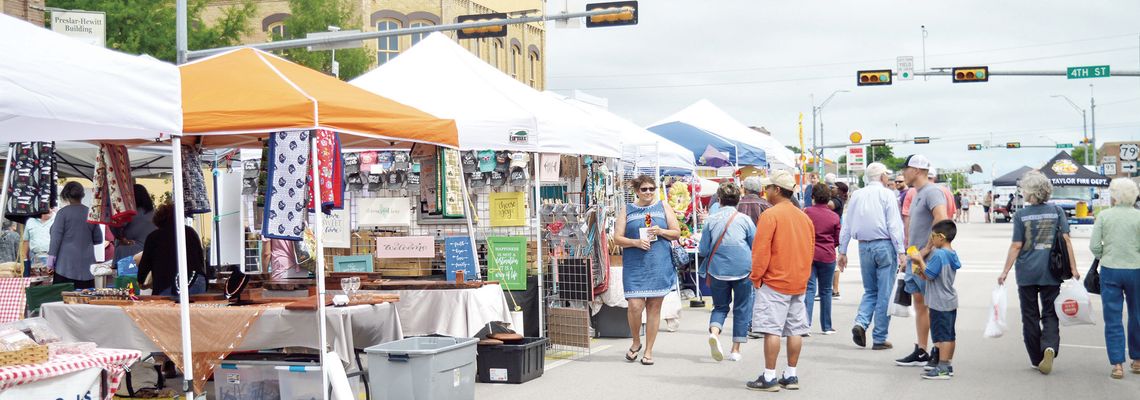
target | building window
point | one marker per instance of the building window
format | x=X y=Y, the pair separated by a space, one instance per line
x=387 y=48
x=496 y=48
x=533 y=58
x=416 y=37
x=277 y=30
x=516 y=59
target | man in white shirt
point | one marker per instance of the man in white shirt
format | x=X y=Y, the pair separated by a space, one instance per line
x=872 y=218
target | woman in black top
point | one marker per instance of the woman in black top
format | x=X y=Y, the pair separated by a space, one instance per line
x=161 y=250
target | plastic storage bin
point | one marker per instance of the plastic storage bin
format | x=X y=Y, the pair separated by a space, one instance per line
x=423 y=368
x=247 y=376
x=512 y=363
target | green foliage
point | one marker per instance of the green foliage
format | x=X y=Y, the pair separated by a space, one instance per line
x=309 y=16
x=956 y=180
x=148 y=27
x=1080 y=151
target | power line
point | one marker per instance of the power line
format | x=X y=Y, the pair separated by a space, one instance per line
x=693 y=72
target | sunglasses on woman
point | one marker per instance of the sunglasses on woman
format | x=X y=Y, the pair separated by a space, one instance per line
x=648 y=189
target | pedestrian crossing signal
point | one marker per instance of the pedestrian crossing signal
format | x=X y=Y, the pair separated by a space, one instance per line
x=874 y=77
x=970 y=74
x=626 y=14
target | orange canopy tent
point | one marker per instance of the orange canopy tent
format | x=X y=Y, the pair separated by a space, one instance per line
x=234 y=98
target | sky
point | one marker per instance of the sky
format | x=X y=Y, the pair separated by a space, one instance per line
x=762 y=62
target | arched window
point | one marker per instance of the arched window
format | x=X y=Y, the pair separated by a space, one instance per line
x=388 y=47
x=416 y=37
x=277 y=30
x=496 y=48
x=533 y=58
x=515 y=61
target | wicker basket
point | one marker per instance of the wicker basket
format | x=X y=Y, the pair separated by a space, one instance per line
x=77 y=298
x=26 y=356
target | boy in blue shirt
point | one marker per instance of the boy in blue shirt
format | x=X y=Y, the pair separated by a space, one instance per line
x=939 y=271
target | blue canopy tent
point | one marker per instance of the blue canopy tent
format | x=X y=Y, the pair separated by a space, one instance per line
x=698 y=140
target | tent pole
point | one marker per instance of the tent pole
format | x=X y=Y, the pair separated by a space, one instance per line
x=469 y=211
x=4 y=183
x=538 y=244
x=216 y=246
x=319 y=267
x=183 y=284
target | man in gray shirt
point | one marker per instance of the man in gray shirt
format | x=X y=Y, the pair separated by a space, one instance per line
x=9 y=243
x=927 y=208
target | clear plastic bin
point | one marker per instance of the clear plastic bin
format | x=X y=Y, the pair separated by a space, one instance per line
x=423 y=368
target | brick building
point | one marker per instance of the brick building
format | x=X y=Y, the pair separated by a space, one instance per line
x=28 y=10
x=1110 y=153
x=520 y=54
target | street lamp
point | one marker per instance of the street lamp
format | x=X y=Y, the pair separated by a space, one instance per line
x=1084 y=121
x=817 y=111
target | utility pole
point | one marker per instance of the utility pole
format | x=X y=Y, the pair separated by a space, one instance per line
x=1092 y=111
x=924 y=77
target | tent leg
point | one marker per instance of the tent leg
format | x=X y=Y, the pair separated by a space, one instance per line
x=319 y=268
x=183 y=284
x=469 y=212
x=538 y=238
x=4 y=183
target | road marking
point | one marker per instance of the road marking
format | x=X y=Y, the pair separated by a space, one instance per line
x=1080 y=346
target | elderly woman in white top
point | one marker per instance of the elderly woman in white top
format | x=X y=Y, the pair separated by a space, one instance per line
x=1116 y=242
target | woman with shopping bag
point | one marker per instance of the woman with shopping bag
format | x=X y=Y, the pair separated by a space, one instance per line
x=1035 y=230
x=1116 y=242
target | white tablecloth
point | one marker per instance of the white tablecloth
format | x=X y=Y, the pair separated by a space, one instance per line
x=451 y=312
x=355 y=327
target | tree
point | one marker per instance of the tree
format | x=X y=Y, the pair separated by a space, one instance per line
x=148 y=27
x=956 y=180
x=1079 y=153
x=308 y=16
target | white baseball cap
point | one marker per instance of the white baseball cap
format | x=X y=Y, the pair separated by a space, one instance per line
x=783 y=179
x=918 y=161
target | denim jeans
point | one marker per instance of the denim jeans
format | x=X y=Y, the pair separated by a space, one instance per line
x=878 y=263
x=1116 y=287
x=739 y=294
x=822 y=273
x=198 y=286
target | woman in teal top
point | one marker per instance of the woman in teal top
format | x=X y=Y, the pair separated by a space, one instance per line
x=1116 y=242
x=647 y=265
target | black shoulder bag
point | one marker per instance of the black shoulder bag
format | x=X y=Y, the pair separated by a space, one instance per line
x=1059 y=255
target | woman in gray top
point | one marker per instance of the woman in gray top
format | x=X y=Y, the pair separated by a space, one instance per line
x=72 y=241
x=130 y=238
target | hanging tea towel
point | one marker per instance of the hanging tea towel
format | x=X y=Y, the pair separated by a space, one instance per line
x=331 y=168
x=32 y=187
x=193 y=182
x=113 y=203
x=287 y=190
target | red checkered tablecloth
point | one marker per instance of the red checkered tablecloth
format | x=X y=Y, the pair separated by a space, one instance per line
x=113 y=360
x=13 y=298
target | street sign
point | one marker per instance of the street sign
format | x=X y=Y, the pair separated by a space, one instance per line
x=1128 y=167
x=1092 y=71
x=1129 y=152
x=86 y=26
x=856 y=158
x=1064 y=145
x=1109 y=169
x=906 y=68
x=878 y=142
x=352 y=44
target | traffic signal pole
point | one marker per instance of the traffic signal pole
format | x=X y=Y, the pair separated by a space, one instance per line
x=349 y=37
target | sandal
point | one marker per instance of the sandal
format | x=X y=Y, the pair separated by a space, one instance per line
x=1118 y=372
x=631 y=355
x=1136 y=367
x=646 y=360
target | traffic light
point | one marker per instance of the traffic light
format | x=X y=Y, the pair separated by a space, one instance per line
x=878 y=142
x=973 y=147
x=874 y=77
x=970 y=74
x=921 y=140
x=485 y=31
x=1013 y=145
x=626 y=16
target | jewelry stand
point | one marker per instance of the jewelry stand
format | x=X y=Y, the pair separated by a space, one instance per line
x=235 y=288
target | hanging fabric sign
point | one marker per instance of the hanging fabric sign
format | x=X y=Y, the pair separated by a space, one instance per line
x=550 y=165
x=405 y=247
x=508 y=209
x=506 y=261
x=384 y=211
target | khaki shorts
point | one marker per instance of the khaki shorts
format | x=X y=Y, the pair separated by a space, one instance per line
x=775 y=313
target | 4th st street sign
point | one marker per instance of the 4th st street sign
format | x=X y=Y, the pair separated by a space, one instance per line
x=1093 y=71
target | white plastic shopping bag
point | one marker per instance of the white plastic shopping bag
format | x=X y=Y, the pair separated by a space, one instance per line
x=995 y=324
x=1073 y=305
x=900 y=305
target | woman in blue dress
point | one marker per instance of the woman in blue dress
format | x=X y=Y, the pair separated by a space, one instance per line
x=647 y=273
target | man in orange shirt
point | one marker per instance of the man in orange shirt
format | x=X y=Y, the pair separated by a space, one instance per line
x=781 y=265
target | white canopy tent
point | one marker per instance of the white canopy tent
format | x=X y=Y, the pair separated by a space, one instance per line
x=52 y=85
x=703 y=114
x=668 y=154
x=440 y=77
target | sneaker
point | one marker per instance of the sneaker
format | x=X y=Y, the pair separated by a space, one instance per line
x=917 y=358
x=1046 y=365
x=790 y=383
x=940 y=373
x=763 y=385
x=829 y=332
x=859 y=335
x=735 y=357
x=933 y=360
x=755 y=335
x=714 y=347
x=882 y=346
x=836 y=297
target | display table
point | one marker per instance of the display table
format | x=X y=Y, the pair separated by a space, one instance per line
x=67 y=376
x=355 y=327
x=451 y=312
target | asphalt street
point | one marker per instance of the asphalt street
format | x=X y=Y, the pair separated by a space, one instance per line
x=833 y=367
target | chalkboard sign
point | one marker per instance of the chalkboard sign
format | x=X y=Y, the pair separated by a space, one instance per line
x=506 y=261
x=460 y=258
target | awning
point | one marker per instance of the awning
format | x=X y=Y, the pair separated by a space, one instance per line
x=1062 y=170
x=697 y=140
x=703 y=114
x=1011 y=178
